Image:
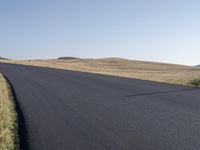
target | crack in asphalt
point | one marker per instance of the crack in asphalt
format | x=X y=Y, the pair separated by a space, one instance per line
x=162 y=92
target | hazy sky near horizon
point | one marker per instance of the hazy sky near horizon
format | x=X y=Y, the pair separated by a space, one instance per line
x=152 y=30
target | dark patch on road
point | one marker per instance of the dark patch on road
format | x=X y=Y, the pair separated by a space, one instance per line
x=162 y=92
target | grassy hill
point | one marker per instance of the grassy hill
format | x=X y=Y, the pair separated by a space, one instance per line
x=198 y=66
x=4 y=58
x=68 y=58
x=162 y=72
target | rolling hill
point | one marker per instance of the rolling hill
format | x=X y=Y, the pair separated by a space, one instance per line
x=68 y=58
x=198 y=66
x=4 y=58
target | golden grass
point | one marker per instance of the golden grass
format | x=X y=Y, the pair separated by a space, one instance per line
x=169 y=73
x=8 y=118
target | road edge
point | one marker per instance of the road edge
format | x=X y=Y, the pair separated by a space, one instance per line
x=21 y=130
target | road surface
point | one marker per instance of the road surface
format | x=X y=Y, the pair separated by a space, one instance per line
x=67 y=110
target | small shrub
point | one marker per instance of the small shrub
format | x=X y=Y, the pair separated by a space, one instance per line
x=195 y=82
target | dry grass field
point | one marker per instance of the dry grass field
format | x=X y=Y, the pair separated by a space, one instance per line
x=8 y=118
x=169 y=73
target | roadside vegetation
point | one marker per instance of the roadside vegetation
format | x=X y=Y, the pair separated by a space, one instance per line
x=195 y=82
x=8 y=118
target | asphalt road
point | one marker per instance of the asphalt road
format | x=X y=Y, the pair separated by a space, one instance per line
x=67 y=110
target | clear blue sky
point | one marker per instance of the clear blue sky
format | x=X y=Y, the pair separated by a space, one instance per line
x=154 y=30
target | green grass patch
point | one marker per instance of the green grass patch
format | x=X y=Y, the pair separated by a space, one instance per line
x=8 y=118
x=195 y=82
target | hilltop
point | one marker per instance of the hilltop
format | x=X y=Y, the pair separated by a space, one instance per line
x=4 y=58
x=68 y=58
x=198 y=66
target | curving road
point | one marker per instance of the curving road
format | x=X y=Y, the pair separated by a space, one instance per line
x=67 y=110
